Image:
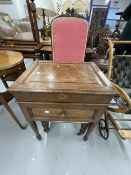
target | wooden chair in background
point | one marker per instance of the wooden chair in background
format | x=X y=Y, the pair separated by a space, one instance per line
x=119 y=73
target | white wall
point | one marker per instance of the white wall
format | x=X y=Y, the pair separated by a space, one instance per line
x=15 y=10
x=121 y=5
x=99 y=2
x=20 y=8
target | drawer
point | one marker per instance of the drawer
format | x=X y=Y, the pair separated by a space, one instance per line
x=60 y=113
x=63 y=98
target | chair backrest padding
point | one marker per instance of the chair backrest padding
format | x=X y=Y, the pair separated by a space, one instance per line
x=69 y=37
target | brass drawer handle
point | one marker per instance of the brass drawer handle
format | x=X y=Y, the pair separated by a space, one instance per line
x=62 y=96
x=63 y=114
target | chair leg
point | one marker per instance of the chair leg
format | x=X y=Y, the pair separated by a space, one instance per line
x=11 y=112
x=47 y=56
x=82 y=129
x=90 y=128
x=45 y=126
x=35 y=129
x=4 y=82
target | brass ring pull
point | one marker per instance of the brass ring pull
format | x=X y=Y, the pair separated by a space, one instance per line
x=62 y=114
x=62 y=96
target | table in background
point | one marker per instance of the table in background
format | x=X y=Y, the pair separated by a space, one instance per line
x=11 y=66
x=24 y=43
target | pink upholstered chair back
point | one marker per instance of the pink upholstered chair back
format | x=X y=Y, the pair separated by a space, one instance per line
x=69 y=36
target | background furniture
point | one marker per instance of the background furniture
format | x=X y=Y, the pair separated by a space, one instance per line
x=97 y=42
x=47 y=50
x=120 y=74
x=11 y=66
x=46 y=9
x=46 y=93
x=10 y=28
x=28 y=48
x=5 y=97
x=81 y=6
x=69 y=36
x=98 y=18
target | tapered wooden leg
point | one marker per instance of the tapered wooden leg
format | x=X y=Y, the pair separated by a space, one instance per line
x=47 y=56
x=5 y=83
x=45 y=126
x=5 y=104
x=90 y=128
x=41 y=55
x=35 y=129
x=83 y=128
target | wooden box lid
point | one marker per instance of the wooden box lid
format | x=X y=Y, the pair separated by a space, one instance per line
x=45 y=76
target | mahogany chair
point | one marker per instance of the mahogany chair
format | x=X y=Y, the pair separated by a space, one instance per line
x=69 y=38
x=5 y=97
